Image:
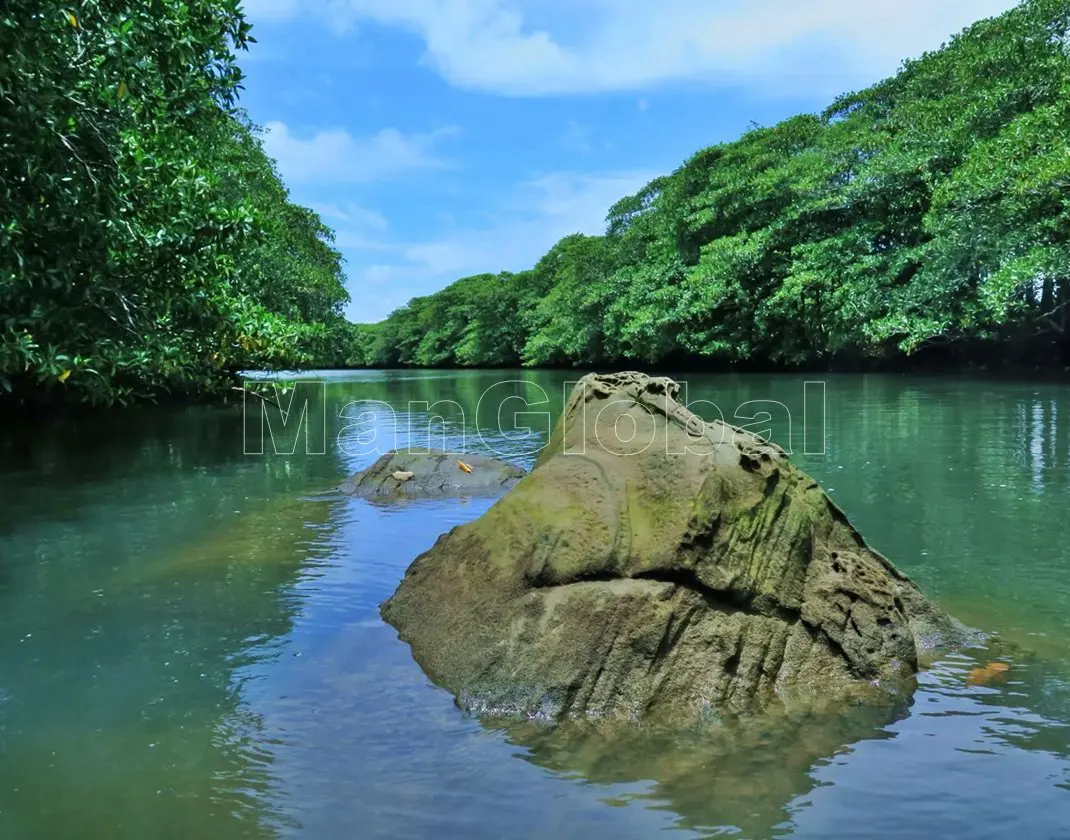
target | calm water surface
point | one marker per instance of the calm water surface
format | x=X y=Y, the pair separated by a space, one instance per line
x=190 y=644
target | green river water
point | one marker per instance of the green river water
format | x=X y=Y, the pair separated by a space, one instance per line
x=190 y=644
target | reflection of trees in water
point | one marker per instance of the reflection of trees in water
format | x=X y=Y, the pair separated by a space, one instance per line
x=743 y=773
x=1041 y=418
x=962 y=484
x=57 y=471
x=147 y=575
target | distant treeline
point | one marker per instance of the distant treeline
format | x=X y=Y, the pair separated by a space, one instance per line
x=148 y=248
x=929 y=211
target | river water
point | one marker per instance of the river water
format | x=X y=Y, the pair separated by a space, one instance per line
x=190 y=644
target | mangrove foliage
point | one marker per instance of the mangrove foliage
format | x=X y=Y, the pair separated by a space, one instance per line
x=929 y=212
x=148 y=248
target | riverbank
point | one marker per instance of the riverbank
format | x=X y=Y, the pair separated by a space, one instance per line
x=934 y=365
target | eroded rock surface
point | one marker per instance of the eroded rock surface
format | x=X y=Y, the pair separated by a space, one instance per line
x=413 y=473
x=653 y=564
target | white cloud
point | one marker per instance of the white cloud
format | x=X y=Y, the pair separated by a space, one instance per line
x=538 y=213
x=544 y=47
x=577 y=203
x=535 y=215
x=336 y=156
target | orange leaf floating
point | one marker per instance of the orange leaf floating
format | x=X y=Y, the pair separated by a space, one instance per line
x=464 y=466
x=991 y=671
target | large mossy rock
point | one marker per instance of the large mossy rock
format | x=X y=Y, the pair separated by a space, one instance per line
x=653 y=564
x=424 y=474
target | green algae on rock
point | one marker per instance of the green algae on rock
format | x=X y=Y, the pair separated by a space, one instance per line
x=431 y=473
x=652 y=564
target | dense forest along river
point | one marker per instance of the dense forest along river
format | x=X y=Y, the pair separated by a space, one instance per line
x=190 y=644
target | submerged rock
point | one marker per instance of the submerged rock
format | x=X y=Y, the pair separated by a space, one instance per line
x=654 y=564
x=415 y=473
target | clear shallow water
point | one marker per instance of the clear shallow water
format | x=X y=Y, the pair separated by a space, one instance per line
x=190 y=643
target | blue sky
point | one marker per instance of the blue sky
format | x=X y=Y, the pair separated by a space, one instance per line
x=443 y=138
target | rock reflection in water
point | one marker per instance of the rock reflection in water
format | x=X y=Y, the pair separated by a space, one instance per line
x=741 y=774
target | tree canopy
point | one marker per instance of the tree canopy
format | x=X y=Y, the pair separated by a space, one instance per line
x=147 y=244
x=930 y=209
